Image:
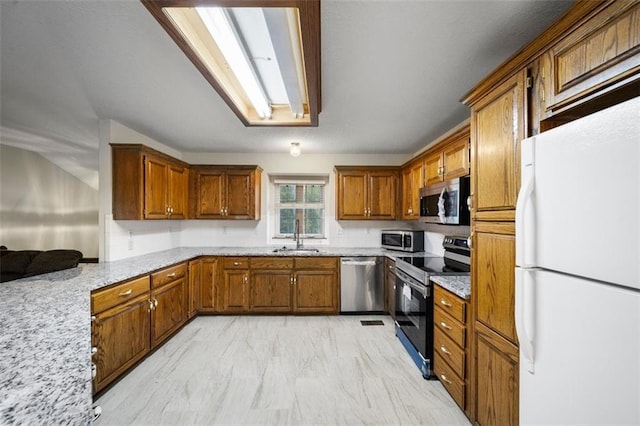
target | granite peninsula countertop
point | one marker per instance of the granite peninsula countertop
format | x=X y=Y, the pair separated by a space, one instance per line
x=45 y=342
x=459 y=285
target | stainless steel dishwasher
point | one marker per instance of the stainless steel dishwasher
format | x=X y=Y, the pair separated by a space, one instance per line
x=361 y=284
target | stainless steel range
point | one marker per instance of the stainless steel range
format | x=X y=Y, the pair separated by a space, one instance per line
x=414 y=297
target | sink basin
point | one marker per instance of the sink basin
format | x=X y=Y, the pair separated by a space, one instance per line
x=303 y=250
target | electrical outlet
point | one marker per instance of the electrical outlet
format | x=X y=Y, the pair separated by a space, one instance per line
x=130 y=242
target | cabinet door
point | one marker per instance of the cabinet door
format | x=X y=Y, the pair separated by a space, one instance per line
x=170 y=310
x=194 y=286
x=235 y=294
x=178 y=188
x=455 y=159
x=382 y=195
x=352 y=195
x=598 y=56
x=411 y=184
x=497 y=128
x=433 y=169
x=271 y=291
x=497 y=379
x=315 y=292
x=239 y=195
x=155 y=188
x=210 y=286
x=121 y=335
x=493 y=277
x=209 y=194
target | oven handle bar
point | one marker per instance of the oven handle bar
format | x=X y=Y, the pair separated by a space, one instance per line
x=414 y=284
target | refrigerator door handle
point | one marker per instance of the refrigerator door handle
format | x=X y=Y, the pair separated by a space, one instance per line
x=525 y=230
x=525 y=315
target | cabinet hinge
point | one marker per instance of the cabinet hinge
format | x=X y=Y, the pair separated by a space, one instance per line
x=529 y=82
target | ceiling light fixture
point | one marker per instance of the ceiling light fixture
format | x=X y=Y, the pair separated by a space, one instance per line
x=274 y=70
x=221 y=27
x=295 y=150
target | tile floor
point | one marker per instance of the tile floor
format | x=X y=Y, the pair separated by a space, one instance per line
x=277 y=370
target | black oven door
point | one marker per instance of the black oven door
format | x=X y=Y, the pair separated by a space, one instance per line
x=414 y=313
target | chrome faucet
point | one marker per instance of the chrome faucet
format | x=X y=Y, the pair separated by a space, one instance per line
x=296 y=235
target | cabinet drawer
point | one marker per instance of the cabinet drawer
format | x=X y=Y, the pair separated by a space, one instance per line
x=452 y=383
x=102 y=300
x=316 y=262
x=449 y=303
x=164 y=276
x=455 y=330
x=236 y=263
x=449 y=351
x=271 y=263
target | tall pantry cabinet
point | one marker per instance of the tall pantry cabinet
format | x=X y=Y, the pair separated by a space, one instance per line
x=497 y=128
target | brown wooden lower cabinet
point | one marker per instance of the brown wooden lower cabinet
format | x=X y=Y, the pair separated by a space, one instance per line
x=194 y=286
x=235 y=290
x=279 y=285
x=497 y=378
x=316 y=285
x=495 y=375
x=170 y=310
x=271 y=285
x=120 y=330
x=271 y=291
x=451 y=353
x=315 y=292
x=209 y=295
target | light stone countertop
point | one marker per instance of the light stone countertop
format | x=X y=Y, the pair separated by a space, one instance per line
x=459 y=285
x=45 y=342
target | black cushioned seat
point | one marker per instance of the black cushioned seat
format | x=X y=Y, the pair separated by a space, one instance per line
x=27 y=263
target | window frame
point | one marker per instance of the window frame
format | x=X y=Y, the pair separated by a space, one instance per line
x=276 y=206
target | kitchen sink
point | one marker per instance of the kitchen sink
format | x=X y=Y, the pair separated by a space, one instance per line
x=302 y=250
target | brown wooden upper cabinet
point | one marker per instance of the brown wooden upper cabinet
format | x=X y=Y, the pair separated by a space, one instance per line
x=599 y=56
x=450 y=162
x=148 y=184
x=225 y=192
x=366 y=193
x=411 y=184
x=498 y=126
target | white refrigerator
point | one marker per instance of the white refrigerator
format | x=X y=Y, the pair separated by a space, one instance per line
x=578 y=271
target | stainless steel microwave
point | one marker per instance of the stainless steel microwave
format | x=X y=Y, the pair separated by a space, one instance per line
x=403 y=240
x=446 y=202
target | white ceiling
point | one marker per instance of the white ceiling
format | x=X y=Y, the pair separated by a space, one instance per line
x=393 y=72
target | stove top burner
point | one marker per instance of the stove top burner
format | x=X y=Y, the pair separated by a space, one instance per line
x=434 y=265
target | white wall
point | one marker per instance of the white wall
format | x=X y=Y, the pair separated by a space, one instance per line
x=42 y=207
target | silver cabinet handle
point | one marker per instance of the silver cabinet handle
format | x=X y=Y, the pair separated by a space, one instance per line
x=94 y=370
x=444 y=379
x=94 y=350
x=171 y=275
x=444 y=349
x=125 y=293
x=97 y=412
x=445 y=303
x=236 y=263
x=469 y=201
x=445 y=326
x=155 y=303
